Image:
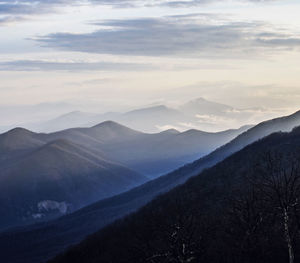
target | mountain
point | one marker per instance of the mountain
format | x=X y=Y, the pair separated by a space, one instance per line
x=199 y=113
x=61 y=172
x=65 y=121
x=17 y=143
x=152 y=119
x=17 y=115
x=202 y=106
x=76 y=167
x=18 y=139
x=145 y=119
x=39 y=242
x=105 y=132
x=220 y=215
x=149 y=154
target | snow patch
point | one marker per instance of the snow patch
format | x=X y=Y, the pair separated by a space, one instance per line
x=49 y=205
x=38 y=216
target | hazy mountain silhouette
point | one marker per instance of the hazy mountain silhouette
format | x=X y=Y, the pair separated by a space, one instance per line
x=198 y=114
x=203 y=219
x=205 y=107
x=145 y=119
x=17 y=115
x=47 y=239
x=19 y=139
x=78 y=166
x=61 y=171
x=149 y=154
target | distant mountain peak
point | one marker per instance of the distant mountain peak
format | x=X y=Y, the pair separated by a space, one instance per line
x=113 y=129
x=74 y=114
x=110 y=124
x=199 y=99
x=18 y=131
x=195 y=132
x=150 y=109
x=204 y=107
x=19 y=138
x=203 y=100
x=161 y=107
x=170 y=131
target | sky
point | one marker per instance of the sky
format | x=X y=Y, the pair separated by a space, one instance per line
x=114 y=55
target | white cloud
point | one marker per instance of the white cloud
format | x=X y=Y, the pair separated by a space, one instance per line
x=192 y=35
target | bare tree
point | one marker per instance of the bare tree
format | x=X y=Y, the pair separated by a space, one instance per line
x=247 y=222
x=277 y=178
x=175 y=235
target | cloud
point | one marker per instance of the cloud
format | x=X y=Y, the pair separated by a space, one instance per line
x=26 y=7
x=18 y=11
x=39 y=65
x=7 y=20
x=17 y=8
x=194 y=35
x=193 y=3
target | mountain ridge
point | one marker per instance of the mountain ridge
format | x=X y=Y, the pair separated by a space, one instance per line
x=102 y=213
x=200 y=114
x=207 y=198
x=40 y=164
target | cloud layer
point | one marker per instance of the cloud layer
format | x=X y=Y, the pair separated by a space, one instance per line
x=40 y=65
x=27 y=7
x=195 y=35
x=19 y=11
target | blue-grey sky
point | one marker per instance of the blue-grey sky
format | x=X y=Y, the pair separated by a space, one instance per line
x=121 y=54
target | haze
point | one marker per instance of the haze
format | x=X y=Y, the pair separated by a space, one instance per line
x=99 y=56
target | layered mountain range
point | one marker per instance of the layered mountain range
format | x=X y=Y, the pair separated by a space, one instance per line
x=47 y=175
x=231 y=212
x=200 y=114
x=47 y=239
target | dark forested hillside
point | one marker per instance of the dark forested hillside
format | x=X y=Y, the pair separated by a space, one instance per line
x=245 y=209
x=39 y=242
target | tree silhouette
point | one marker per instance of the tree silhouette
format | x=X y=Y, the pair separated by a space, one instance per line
x=277 y=180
